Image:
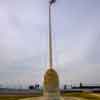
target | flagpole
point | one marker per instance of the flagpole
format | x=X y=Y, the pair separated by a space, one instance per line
x=50 y=35
x=50 y=39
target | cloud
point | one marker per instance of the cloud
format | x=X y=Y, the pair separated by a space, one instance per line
x=24 y=40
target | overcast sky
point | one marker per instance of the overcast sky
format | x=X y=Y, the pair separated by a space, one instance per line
x=24 y=41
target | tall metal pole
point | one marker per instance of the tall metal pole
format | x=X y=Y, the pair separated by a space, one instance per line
x=50 y=35
x=50 y=39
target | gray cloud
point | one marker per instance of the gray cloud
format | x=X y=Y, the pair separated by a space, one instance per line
x=24 y=37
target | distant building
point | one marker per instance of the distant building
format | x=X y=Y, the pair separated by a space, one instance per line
x=65 y=87
x=37 y=86
x=86 y=87
x=34 y=87
x=81 y=85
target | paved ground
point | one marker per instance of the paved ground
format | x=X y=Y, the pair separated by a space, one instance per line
x=94 y=94
x=73 y=98
x=90 y=96
x=65 y=98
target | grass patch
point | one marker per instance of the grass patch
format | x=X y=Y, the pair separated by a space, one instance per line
x=12 y=97
x=84 y=95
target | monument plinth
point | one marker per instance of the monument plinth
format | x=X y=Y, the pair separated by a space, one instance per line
x=51 y=85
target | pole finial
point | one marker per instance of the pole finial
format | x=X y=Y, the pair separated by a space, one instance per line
x=52 y=1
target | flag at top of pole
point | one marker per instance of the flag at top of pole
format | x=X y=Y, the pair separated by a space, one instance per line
x=52 y=1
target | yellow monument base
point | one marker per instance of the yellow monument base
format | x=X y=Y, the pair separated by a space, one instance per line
x=51 y=85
